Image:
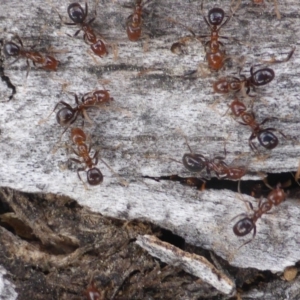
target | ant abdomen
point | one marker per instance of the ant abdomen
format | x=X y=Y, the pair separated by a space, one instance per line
x=268 y=139
x=99 y=48
x=262 y=77
x=11 y=49
x=243 y=227
x=76 y=13
x=94 y=176
x=194 y=162
x=65 y=116
x=216 y=16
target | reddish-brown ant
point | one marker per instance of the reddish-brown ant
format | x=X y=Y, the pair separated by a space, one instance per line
x=46 y=62
x=215 y=52
x=265 y=136
x=67 y=115
x=94 y=175
x=78 y=15
x=198 y=162
x=258 y=78
x=134 y=22
x=234 y=84
x=248 y=223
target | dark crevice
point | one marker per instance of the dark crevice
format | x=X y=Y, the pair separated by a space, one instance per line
x=171 y=238
x=255 y=188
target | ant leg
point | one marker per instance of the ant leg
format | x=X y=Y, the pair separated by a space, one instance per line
x=276 y=61
x=86 y=116
x=250 y=142
x=297 y=174
x=75 y=159
x=267 y=120
x=247 y=242
x=204 y=16
x=80 y=170
x=234 y=9
x=19 y=39
x=179 y=162
x=77 y=32
x=28 y=68
x=91 y=20
x=277 y=10
x=274 y=129
x=124 y=182
x=14 y=61
x=76 y=99
x=186 y=141
x=226 y=21
x=86 y=11
x=95 y=157
x=240 y=215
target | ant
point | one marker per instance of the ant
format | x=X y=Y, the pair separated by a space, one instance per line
x=248 y=223
x=68 y=114
x=265 y=137
x=78 y=15
x=134 y=22
x=234 y=84
x=258 y=78
x=197 y=162
x=215 y=55
x=94 y=175
x=47 y=62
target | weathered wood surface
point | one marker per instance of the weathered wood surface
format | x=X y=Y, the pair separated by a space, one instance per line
x=140 y=131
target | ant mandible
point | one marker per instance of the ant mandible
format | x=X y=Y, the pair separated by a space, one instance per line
x=248 y=223
x=94 y=175
x=258 y=78
x=265 y=137
x=134 y=22
x=78 y=15
x=197 y=162
x=47 y=62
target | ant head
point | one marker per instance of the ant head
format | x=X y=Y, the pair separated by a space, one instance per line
x=277 y=195
x=66 y=116
x=267 y=139
x=243 y=227
x=262 y=76
x=102 y=96
x=76 y=13
x=11 y=49
x=194 y=162
x=94 y=176
x=50 y=63
x=216 y=16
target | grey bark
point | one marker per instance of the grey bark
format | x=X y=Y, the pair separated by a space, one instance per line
x=141 y=132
